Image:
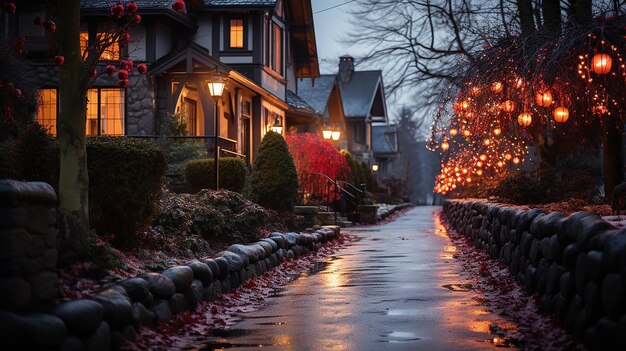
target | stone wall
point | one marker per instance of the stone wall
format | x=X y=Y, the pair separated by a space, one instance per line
x=113 y=314
x=575 y=264
x=28 y=240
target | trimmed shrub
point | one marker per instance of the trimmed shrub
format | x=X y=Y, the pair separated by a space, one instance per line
x=273 y=182
x=35 y=155
x=200 y=174
x=125 y=176
x=5 y=161
x=356 y=176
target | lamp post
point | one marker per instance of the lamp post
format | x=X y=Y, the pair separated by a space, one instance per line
x=216 y=89
x=277 y=127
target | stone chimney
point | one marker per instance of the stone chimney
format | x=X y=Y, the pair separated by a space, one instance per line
x=346 y=67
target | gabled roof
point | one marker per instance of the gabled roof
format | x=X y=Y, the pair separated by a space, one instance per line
x=317 y=95
x=359 y=92
x=385 y=139
x=146 y=7
x=296 y=103
x=269 y=3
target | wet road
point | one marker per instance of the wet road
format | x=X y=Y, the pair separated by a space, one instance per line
x=397 y=288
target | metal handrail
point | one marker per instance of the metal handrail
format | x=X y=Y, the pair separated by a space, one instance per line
x=339 y=195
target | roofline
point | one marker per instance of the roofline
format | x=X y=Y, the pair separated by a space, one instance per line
x=146 y=11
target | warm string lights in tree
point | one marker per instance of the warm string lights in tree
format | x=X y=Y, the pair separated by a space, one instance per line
x=512 y=94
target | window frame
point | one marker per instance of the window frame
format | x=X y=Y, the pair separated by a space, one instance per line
x=56 y=110
x=226 y=29
x=91 y=31
x=99 y=114
x=273 y=25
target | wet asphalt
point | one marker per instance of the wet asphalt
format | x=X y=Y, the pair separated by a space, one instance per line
x=396 y=288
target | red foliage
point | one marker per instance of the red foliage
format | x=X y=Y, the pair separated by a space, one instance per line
x=131 y=7
x=136 y=18
x=142 y=68
x=109 y=69
x=10 y=7
x=179 y=6
x=312 y=154
x=126 y=65
x=59 y=60
x=122 y=74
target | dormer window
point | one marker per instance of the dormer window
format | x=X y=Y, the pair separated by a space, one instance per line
x=236 y=33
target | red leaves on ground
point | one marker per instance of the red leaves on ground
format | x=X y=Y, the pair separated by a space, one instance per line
x=504 y=296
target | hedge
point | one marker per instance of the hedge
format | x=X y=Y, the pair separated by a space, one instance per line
x=200 y=174
x=125 y=176
x=273 y=182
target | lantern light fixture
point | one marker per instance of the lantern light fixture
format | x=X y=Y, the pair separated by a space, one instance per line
x=445 y=146
x=216 y=87
x=601 y=63
x=561 y=114
x=525 y=119
x=497 y=87
x=375 y=167
x=544 y=98
x=335 y=135
x=277 y=127
x=508 y=106
x=327 y=134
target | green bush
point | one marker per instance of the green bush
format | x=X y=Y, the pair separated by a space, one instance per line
x=273 y=182
x=35 y=155
x=200 y=174
x=356 y=176
x=125 y=180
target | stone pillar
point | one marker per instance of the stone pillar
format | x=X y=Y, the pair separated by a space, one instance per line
x=28 y=240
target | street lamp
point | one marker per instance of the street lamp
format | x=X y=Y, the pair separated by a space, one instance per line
x=327 y=134
x=216 y=89
x=335 y=135
x=278 y=126
x=375 y=167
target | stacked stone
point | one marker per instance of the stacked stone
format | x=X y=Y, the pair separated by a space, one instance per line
x=576 y=264
x=104 y=321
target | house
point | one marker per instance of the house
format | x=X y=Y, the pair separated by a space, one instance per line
x=385 y=148
x=351 y=101
x=258 y=48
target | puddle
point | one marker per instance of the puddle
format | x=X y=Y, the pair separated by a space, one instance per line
x=458 y=287
x=403 y=312
x=400 y=337
x=272 y=323
x=318 y=266
x=221 y=345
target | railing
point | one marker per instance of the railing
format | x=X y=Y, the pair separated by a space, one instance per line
x=317 y=189
x=228 y=147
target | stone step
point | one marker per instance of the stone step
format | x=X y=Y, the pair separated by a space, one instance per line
x=345 y=224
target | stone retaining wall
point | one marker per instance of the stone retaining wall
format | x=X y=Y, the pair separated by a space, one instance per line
x=28 y=240
x=103 y=321
x=576 y=264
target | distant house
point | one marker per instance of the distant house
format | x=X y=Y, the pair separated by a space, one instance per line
x=385 y=147
x=353 y=101
x=258 y=47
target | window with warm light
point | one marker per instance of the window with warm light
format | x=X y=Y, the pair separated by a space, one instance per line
x=47 y=111
x=236 y=33
x=105 y=111
x=190 y=117
x=112 y=53
x=276 y=60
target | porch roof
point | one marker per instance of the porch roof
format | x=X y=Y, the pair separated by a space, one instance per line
x=385 y=139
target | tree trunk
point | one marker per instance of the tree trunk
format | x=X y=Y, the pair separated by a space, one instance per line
x=551 y=10
x=73 y=178
x=613 y=149
x=525 y=10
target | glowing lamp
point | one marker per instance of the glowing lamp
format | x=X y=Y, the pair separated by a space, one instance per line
x=525 y=119
x=454 y=132
x=601 y=63
x=508 y=157
x=375 y=167
x=516 y=160
x=327 y=134
x=497 y=87
x=508 y=106
x=468 y=179
x=486 y=142
x=479 y=172
x=482 y=157
x=278 y=126
x=497 y=131
x=500 y=164
x=466 y=133
x=445 y=146
x=335 y=135
x=561 y=114
x=216 y=88
x=479 y=164
x=544 y=98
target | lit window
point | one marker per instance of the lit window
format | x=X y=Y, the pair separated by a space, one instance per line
x=236 y=33
x=112 y=53
x=277 y=49
x=47 y=111
x=189 y=113
x=105 y=111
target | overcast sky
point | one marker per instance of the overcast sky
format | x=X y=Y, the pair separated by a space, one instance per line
x=330 y=27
